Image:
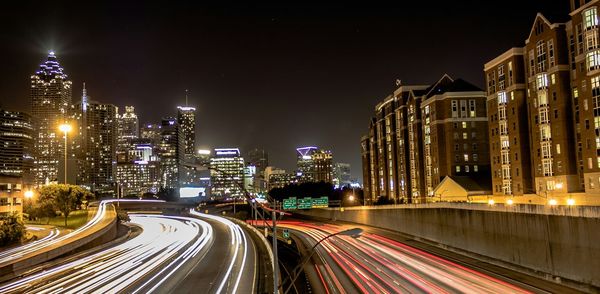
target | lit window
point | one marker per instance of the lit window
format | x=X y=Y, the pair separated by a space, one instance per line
x=502 y=97
x=593 y=60
x=542 y=81
x=557 y=148
x=475 y=157
x=475 y=168
x=590 y=18
x=458 y=168
x=465 y=136
x=466 y=157
x=466 y=168
x=464 y=124
x=472 y=112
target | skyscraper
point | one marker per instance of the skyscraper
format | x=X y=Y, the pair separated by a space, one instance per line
x=16 y=145
x=227 y=172
x=128 y=129
x=341 y=174
x=50 y=94
x=170 y=152
x=186 y=117
x=94 y=147
x=314 y=165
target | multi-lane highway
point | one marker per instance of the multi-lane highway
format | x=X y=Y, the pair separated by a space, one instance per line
x=167 y=256
x=376 y=264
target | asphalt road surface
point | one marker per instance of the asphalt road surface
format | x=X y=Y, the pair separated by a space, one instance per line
x=201 y=254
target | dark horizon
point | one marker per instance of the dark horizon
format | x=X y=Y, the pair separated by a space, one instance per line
x=269 y=76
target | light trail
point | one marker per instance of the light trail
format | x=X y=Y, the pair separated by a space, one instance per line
x=147 y=260
x=376 y=264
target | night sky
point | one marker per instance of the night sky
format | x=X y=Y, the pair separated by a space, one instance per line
x=273 y=76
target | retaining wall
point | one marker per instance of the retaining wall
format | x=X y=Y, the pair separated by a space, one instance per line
x=559 y=241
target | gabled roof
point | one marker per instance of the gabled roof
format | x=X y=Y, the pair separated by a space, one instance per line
x=447 y=84
x=472 y=184
x=540 y=16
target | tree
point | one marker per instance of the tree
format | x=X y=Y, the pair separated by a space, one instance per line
x=11 y=229
x=64 y=198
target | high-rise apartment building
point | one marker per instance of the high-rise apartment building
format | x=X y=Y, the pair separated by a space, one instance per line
x=550 y=108
x=508 y=121
x=139 y=171
x=186 y=118
x=420 y=135
x=584 y=68
x=16 y=145
x=50 y=94
x=227 y=172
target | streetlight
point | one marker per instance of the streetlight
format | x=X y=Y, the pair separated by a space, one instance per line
x=354 y=233
x=552 y=202
x=509 y=201
x=570 y=201
x=65 y=128
x=28 y=194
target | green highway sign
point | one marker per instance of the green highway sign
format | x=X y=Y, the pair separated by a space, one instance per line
x=305 y=203
x=289 y=203
x=286 y=233
x=322 y=202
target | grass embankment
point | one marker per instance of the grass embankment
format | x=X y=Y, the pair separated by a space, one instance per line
x=75 y=220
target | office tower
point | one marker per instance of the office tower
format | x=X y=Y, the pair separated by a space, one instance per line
x=341 y=174
x=314 y=165
x=258 y=158
x=94 y=144
x=139 y=171
x=128 y=129
x=16 y=145
x=152 y=132
x=227 y=172
x=186 y=118
x=171 y=151
x=508 y=122
x=50 y=94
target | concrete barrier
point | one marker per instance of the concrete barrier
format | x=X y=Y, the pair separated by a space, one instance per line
x=102 y=232
x=559 y=242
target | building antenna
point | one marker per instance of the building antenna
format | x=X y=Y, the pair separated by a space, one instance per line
x=186 y=98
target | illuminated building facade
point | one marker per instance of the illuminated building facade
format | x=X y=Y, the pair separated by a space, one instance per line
x=12 y=189
x=186 y=117
x=16 y=145
x=314 y=165
x=341 y=174
x=128 y=129
x=139 y=171
x=508 y=122
x=94 y=145
x=50 y=94
x=170 y=151
x=421 y=134
x=227 y=172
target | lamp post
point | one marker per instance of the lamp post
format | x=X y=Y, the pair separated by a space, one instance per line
x=354 y=233
x=65 y=128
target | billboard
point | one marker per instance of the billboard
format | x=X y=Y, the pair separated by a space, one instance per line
x=189 y=192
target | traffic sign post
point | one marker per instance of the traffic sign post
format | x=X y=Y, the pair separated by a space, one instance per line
x=286 y=233
x=305 y=203
x=322 y=202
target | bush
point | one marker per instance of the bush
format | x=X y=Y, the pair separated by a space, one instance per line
x=11 y=229
x=122 y=216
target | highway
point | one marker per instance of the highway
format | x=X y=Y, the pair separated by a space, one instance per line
x=376 y=264
x=165 y=257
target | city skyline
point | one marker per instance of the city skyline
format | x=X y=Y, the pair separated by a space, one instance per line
x=352 y=63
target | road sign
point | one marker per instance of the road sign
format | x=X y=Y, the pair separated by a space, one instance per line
x=305 y=203
x=286 y=233
x=289 y=203
x=322 y=202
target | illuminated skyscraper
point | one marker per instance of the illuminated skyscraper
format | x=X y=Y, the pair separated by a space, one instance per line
x=170 y=152
x=128 y=129
x=16 y=145
x=314 y=165
x=50 y=94
x=186 y=117
x=94 y=146
x=227 y=172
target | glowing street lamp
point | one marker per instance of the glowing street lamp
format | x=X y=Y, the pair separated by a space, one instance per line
x=491 y=201
x=28 y=194
x=509 y=201
x=351 y=198
x=65 y=128
x=570 y=201
x=552 y=202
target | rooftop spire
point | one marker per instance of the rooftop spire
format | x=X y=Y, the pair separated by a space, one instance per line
x=186 y=98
